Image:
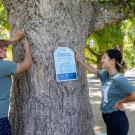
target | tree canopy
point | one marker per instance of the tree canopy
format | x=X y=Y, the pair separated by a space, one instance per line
x=127 y=6
x=114 y=36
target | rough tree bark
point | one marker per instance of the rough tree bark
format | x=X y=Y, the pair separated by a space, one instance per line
x=39 y=104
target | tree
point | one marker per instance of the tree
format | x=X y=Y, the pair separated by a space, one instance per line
x=39 y=104
x=119 y=35
x=129 y=41
x=4 y=25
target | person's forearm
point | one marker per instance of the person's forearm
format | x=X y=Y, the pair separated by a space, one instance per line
x=19 y=35
x=127 y=99
x=89 y=67
x=27 y=62
x=27 y=57
x=14 y=42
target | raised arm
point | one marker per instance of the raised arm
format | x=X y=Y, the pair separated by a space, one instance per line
x=19 y=36
x=88 y=67
x=27 y=62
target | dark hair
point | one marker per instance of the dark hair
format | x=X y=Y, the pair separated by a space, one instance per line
x=116 y=54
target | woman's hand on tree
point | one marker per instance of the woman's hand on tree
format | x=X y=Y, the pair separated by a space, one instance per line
x=77 y=56
x=19 y=35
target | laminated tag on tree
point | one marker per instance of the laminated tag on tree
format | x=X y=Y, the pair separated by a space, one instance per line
x=65 y=64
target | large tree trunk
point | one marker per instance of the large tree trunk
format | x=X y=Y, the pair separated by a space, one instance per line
x=40 y=105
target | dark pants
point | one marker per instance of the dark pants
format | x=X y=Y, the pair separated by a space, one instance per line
x=116 y=123
x=5 y=127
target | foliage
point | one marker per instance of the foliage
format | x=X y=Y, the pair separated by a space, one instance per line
x=4 y=29
x=129 y=41
x=113 y=36
x=109 y=37
x=4 y=25
x=3 y=17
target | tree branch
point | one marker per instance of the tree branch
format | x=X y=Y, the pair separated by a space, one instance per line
x=88 y=59
x=91 y=51
x=111 y=14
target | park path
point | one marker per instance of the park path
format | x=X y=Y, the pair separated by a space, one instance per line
x=95 y=99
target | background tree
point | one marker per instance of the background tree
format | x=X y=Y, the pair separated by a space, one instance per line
x=120 y=35
x=40 y=105
x=4 y=25
x=129 y=42
x=109 y=37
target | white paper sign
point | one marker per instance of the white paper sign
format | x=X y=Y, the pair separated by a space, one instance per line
x=65 y=65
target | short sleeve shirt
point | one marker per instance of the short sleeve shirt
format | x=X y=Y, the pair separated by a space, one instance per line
x=7 y=68
x=113 y=88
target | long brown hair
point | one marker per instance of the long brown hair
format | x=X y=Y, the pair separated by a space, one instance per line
x=120 y=63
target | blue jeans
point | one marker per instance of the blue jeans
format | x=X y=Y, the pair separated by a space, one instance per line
x=5 y=127
x=116 y=123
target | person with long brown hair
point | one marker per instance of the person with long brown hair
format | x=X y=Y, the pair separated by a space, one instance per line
x=115 y=89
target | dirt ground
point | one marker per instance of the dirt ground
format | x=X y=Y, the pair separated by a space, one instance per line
x=95 y=98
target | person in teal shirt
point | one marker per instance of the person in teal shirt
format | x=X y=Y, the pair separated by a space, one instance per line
x=115 y=89
x=7 y=69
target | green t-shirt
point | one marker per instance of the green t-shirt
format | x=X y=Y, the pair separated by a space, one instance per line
x=7 y=68
x=113 y=88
